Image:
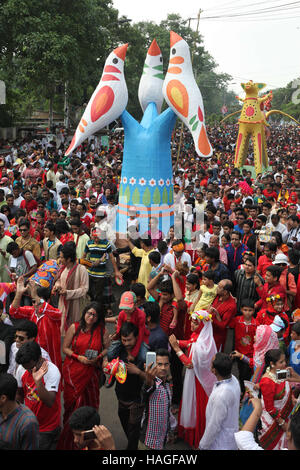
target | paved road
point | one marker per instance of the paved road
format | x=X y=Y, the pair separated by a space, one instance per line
x=108 y=402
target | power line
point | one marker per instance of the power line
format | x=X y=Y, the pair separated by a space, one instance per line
x=253 y=19
x=217 y=10
x=278 y=9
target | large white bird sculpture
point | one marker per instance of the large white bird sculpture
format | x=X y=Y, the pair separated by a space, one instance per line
x=108 y=101
x=182 y=94
x=151 y=82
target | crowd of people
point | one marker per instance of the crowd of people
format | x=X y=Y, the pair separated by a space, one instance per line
x=217 y=299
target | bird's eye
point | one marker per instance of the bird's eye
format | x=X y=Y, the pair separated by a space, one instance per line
x=115 y=61
x=173 y=51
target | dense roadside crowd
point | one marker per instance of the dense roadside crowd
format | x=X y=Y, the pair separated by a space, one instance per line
x=217 y=298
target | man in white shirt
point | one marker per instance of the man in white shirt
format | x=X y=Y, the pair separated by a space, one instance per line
x=177 y=254
x=222 y=410
x=276 y=226
x=26 y=331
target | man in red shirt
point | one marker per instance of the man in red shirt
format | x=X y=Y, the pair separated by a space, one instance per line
x=223 y=310
x=266 y=260
x=39 y=386
x=270 y=192
x=46 y=317
x=271 y=287
x=29 y=204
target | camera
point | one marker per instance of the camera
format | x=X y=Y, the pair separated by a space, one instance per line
x=282 y=374
x=89 y=435
x=91 y=354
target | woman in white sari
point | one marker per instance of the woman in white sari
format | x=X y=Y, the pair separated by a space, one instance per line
x=199 y=380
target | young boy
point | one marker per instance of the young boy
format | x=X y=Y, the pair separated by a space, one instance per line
x=244 y=329
x=130 y=313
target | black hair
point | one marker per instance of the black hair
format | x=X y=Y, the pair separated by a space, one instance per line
x=211 y=208
x=229 y=224
x=43 y=292
x=11 y=247
x=162 y=246
x=163 y=353
x=249 y=303
x=155 y=257
x=262 y=218
x=193 y=279
x=61 y=227
x=272 y=246
x=223 y=364
x=209 y=274
x=272 y=355
x=8 y=386
x=76 y=221
x=84 y=419
x=69 y=251
x=29 y=327
x=248 y=222
x=166 y=286
x=50 y=226
x=275 y=271
x=24 y=222
x=100 y=315
x=294 y=255
x=152 y=310
x=251 y=259
x=138 y=289
x=28 y=352
x=147 y=241
x=127 y=328
x=216 y=223
x=278 y=237
x=235 y=232
x=213 y=252
x=296 y=327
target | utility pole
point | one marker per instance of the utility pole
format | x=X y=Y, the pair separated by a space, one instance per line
x=66 y=108
x=192 y=58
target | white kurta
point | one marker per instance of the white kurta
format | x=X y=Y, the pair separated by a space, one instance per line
x=222 y=416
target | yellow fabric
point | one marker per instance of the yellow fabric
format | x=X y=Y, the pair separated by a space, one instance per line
x=145 y=267
x=207 y=297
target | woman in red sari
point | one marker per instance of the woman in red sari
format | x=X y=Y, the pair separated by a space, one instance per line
x=81 y=373
x=277 y=403
x=199 y=379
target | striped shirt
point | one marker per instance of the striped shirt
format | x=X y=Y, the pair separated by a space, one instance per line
x=96 y=252
x=20 y=429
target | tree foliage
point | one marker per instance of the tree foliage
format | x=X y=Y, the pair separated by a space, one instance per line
x=45 y=44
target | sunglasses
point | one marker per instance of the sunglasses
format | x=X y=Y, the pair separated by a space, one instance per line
x=21 y=338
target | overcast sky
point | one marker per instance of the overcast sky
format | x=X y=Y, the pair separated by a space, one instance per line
x=265 y=50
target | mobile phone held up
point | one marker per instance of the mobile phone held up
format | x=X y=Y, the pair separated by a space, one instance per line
x=89 y=435
x=150 y=359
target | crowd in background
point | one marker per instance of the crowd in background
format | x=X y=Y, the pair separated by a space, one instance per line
x=216 y=298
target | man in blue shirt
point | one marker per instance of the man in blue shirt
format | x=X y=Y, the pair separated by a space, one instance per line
x=235 y=251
